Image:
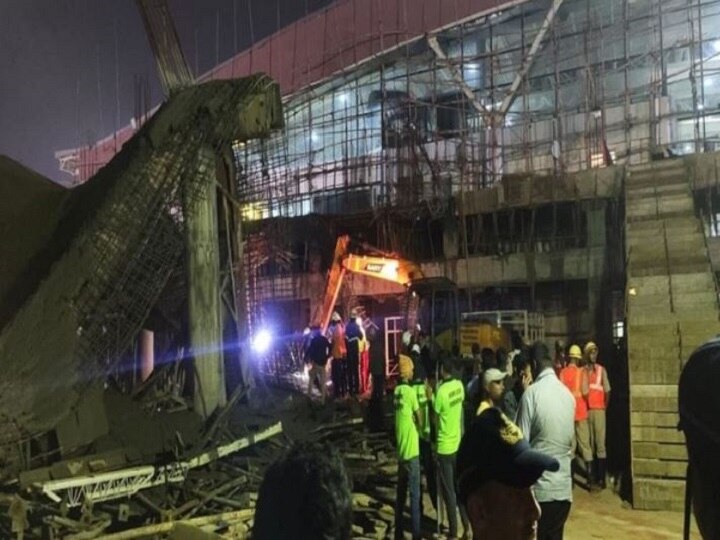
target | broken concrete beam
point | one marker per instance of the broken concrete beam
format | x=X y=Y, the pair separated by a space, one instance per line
x=159 y=528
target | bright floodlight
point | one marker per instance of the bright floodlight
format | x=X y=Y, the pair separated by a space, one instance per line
x=261 y=341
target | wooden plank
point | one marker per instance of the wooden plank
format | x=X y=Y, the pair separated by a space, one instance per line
x=658 y=494
x=656 y=434
x=656 y=419
x=656 y=467
x=652 y=450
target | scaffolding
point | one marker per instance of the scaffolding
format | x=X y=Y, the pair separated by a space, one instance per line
x=542 y=87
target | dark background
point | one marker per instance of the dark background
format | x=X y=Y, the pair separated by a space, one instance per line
x=69 y=68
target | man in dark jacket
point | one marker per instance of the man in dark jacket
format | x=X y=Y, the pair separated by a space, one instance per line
x=353 y=335
x=377 y=372
x=318 y=352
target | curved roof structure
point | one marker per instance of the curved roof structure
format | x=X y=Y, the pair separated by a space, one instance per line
x=335 y=39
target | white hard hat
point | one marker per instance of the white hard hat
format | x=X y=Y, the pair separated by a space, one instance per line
x=416 y=348
x=335 y=316
x=407 y=338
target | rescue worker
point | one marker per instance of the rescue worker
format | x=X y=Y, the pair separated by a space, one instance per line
x=597 y=400
x=408 y=417
x=318 y=353
x=420 y=385
x=354 y=336
x=339 y=351
x=364 y=357
x=447 y=405
x=493 y=389
x=576 y=379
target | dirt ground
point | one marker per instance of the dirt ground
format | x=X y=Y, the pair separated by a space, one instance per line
x=603 y=516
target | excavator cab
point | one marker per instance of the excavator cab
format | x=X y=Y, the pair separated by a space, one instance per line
x=432 y=305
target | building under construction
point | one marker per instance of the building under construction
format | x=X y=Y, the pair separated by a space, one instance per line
x=554 y=159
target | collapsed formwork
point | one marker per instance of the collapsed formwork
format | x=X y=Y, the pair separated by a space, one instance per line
x=102 y=263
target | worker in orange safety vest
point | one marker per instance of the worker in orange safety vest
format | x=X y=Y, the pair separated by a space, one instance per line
x=575 y=378
x=597 y=400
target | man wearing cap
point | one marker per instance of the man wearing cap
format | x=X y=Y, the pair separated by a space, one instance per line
x=493 y=389
x=547 y=418
x=496 y=469
x=447 y=405
x=408 y=416
x=699 y=407
x=597 y=400
x=575 y=379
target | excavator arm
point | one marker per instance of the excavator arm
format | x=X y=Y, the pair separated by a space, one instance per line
x=377 y=264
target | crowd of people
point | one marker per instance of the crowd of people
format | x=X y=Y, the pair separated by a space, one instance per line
x=354 y=350
x=555 y=402
x=496 y=445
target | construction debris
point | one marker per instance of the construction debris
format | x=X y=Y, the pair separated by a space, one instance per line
x=211 y=492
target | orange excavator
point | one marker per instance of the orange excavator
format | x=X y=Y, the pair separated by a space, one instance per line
x=360 y=258
x=431 y=303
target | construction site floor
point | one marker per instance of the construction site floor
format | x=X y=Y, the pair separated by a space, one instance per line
x=603 y=516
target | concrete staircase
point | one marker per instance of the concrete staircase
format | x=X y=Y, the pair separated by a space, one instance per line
x=672 y=308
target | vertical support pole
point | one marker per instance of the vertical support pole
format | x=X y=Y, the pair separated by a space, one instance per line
x=204 y=310
x=147 y=354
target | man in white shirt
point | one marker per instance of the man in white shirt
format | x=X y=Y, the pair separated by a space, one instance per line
x=546 y=416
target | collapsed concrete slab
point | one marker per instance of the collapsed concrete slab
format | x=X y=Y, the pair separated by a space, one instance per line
x=89 y=264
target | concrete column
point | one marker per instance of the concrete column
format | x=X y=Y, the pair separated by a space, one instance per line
x=596 y=237
x=147 y=354
x=204 y=310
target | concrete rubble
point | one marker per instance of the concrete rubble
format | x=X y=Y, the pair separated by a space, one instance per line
x=206 y=486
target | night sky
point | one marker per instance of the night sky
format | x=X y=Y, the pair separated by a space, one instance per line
x=62 y=60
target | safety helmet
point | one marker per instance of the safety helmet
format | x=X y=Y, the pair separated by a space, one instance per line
x=335 y=316
x=589 y=346
x=575 y=352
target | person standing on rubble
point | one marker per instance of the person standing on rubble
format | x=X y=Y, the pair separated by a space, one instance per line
x=447 y=405
x=597 y=400
x=318 y=353
x=408 y=418
x=339 y=352
x=353 y=335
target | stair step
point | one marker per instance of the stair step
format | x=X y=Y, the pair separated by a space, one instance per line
x=679 y=223
x=677 y=164
x=679 y=214
x=653 y=192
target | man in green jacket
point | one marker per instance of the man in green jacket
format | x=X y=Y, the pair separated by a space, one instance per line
x=448 y=408
x=408 y=416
